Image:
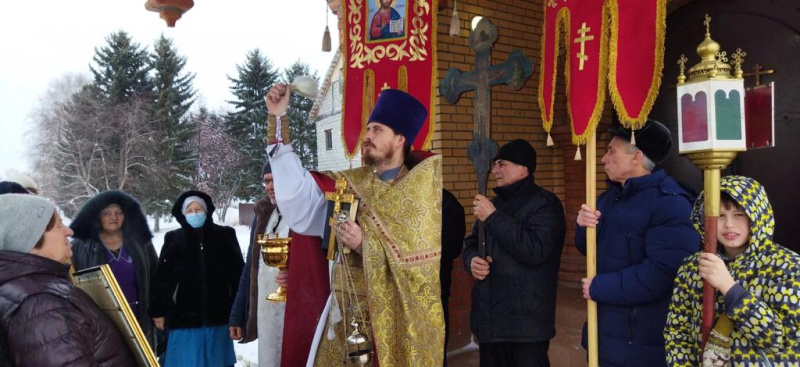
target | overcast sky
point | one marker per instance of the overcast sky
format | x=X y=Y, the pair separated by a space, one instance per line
x=41 y=40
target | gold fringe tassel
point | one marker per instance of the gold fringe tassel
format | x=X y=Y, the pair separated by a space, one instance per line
x=578 y=154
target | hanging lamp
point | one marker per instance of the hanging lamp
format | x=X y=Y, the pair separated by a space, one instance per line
x=170 y=10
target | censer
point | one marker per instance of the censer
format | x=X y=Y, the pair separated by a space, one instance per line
x=363 y=351
x=358 y=345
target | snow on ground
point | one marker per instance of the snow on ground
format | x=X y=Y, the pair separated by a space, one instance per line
x=246 y=354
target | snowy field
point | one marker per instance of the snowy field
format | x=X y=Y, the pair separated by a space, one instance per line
x=246 y=354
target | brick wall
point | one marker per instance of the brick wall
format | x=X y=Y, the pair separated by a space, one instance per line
x=514 y=114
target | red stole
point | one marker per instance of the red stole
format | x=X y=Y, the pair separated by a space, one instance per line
x=306 y=295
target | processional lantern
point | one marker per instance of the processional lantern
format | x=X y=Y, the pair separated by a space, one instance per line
x=711 y=101
x=170 y=10
x=711 y=131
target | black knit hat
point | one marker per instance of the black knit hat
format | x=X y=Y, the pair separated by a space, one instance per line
x=653 y=139
x=8 y=187
x=520 y=152
x=266 y=168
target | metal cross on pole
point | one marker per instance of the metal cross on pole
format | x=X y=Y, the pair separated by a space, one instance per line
x=513 y=72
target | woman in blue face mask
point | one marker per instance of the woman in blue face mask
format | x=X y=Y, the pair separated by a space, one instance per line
x=195 y=282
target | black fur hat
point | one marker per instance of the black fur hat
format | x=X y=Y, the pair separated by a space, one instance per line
x=86 y=224
x=653 y=139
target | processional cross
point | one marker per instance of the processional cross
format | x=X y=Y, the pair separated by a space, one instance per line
x=343 y=207
x=513 y=72
x=758 y=71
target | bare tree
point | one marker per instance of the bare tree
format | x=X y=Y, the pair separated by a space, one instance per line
x=86 y=146
x=51 y=103
x=219 y=161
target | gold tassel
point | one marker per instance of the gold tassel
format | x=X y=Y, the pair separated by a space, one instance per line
x=326 y=40
x=455 y=24
x=326 y=37
x=549 y=140
x=578 y=154
x=633 y=137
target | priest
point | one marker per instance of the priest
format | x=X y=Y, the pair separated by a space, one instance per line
x=385 y=289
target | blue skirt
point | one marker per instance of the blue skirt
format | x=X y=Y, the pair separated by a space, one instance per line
x=200 y=347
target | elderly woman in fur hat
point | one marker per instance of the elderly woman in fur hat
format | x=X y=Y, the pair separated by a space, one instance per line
x=111 y=228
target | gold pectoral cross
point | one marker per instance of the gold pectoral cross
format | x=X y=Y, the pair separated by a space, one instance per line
x=345 y=205
x=582 y=40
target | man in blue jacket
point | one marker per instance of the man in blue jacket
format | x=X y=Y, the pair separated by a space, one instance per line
x=643 y=234
x=514 y=298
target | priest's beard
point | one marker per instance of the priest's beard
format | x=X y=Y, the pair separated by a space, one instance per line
x=375 y=157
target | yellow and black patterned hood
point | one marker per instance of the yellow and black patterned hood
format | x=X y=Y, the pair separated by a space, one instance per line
x=753 y=198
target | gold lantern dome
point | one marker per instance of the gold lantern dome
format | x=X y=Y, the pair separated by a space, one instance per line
x=713 y=62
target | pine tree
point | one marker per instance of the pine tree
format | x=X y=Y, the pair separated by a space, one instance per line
x=121 y=70
x=247 y=123
x=303 y=132
x=174 y=96
x=122 y=82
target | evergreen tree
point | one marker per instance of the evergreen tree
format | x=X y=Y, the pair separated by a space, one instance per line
x=121 y=70
x=246 y=125
x=174 y=96
x=121 y=80
x=303 y=132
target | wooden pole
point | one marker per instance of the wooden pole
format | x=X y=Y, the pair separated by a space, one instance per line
x=591 y=244
x=711 y=199
x=712 y=163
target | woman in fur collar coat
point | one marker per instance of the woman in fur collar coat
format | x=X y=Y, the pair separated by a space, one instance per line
x=195 y=283
x=111 y=228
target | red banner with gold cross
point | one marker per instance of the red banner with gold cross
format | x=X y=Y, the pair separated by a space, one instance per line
x=619 y=43
x=387 y=44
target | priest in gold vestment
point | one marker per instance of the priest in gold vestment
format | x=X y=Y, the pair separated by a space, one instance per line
x=387 y=287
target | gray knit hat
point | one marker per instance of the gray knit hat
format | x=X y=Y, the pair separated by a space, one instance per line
x=23 y=221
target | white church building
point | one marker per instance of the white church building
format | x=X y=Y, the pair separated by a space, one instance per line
x=327 y=115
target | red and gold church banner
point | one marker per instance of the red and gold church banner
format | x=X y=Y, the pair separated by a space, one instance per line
x=387 y=44
x=619 y=43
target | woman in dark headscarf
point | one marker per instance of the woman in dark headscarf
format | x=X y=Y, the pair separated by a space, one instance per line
x=111 y=229
x=196 y=281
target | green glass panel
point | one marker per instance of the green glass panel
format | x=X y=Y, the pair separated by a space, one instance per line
x=729 y=115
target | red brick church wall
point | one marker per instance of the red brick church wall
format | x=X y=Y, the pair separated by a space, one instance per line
x=514 y=114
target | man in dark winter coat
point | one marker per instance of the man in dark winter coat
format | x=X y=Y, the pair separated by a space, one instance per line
x=243 y=321
x=453 y=229
x=643 y=235
x=284 y=337
x=514 y=299
x=44 y=319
